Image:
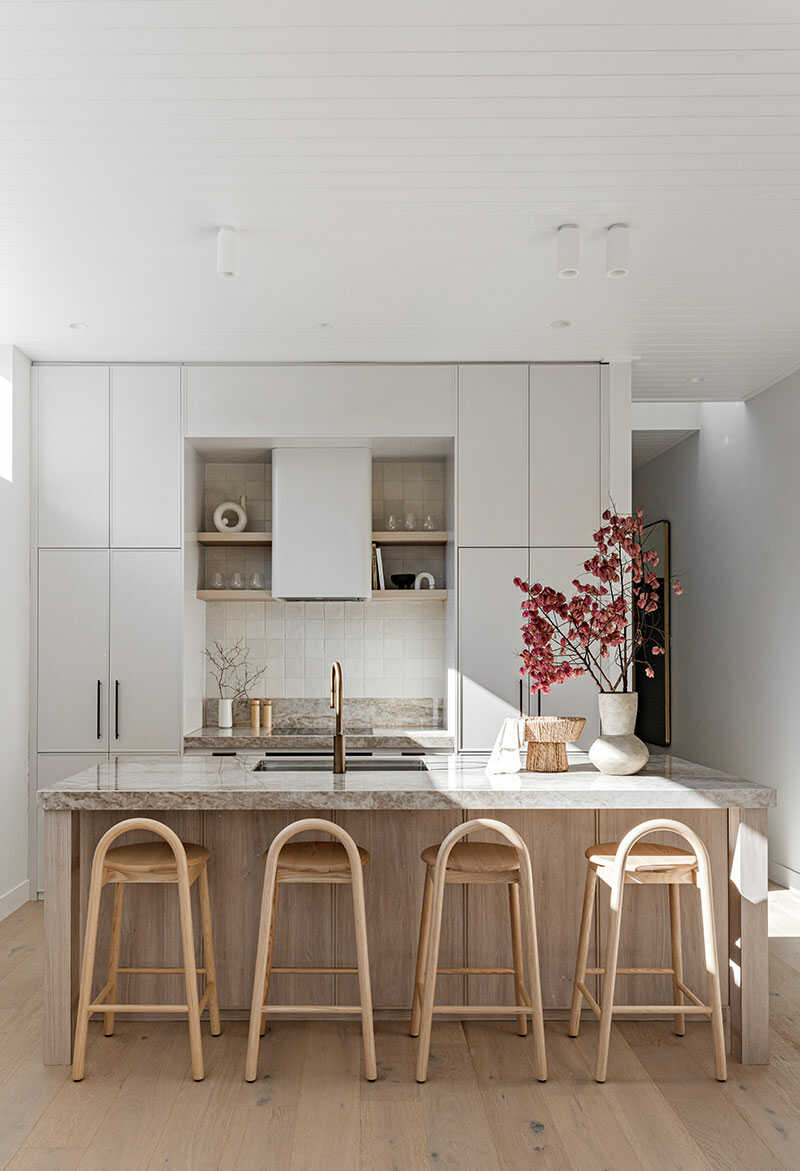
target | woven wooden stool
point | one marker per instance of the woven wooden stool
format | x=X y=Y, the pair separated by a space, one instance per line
x=167 y=861
x=455 y=861
x=339 y=862
x=626 y=862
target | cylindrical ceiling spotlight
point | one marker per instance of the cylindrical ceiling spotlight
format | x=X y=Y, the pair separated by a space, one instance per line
x=568 y=251
x=227 y=252
x=618 y=249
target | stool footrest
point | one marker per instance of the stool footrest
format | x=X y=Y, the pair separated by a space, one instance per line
x=104 y=1007
x=157 y=971
x=314 y=971
x=633 y=971
x=668 y=1009
x=475 y=972
x=484 y=1009
x=309 y=1009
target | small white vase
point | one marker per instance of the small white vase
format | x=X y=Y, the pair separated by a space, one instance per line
x=225 y=713
x=617 y=751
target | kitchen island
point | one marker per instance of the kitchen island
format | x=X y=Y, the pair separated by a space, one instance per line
x=235 y=811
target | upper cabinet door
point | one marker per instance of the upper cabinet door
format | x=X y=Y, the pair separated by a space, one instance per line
x=146 y=651
x=493 y=455
x=146 y=445
x=565 y=454
x=72 y=456
x=490 y=620
x=73 y=650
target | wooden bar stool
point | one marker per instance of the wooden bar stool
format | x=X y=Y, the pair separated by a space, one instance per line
x=629 y=862
x=455 y=861
x=167 y=861
x=338 y=862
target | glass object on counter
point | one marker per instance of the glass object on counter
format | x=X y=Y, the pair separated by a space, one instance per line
x=257 y=581
x=217 y=582
x=410 y=522
x=237 y=580
x=392 y=523
x=428 y=524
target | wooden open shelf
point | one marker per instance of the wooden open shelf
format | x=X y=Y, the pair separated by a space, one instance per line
x=399 y=537
x=266 y=595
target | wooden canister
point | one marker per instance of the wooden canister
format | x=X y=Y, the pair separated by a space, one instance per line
x=255 y=715
x=266 y=716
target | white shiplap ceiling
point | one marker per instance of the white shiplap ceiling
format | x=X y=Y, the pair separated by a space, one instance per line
x=396 y=172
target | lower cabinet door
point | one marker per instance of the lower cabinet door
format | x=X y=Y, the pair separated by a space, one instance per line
x=577 y=697
x=145 y=683
x=52 y=767
x=490 y=622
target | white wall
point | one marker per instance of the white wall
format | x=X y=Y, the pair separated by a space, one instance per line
x=14 y=627
x=732 y=493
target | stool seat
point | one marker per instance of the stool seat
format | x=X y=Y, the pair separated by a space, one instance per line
x=140 y=858
x=642 y=856
x=317 y=858
x=476 y=857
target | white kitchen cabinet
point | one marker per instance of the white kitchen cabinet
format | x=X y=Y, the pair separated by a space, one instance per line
x=576 y=697
x=493 y=455
x=73 y=650
x=489 y=642
x=565 y=444
x=73 y=456
x=146 y=675
x=146 y=444
x=51 y=768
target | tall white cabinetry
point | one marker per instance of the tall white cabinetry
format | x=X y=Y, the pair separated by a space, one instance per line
x=533 y=457
x=108 y=661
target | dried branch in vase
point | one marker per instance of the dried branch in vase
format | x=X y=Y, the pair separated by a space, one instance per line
x=605 y=627
x=230 y=667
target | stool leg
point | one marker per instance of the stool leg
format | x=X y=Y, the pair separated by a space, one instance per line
x=113 y=956
x=516 y=951
x=208 y=951
x=677 y=954
x=270 y=953
x=422 y=951
x=87 y=973
x=260 y=974
x=584 y=937
x=609 y=979
x=537 y=1020
x=429 y=977
x=364 y=983
x=190 y=976
x=712 y=968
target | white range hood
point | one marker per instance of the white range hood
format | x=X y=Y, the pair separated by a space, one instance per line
x=321 y=522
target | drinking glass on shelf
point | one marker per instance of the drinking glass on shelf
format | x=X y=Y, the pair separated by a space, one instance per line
x=392 y=523
x=428 y=524
x=217 y=582
x=257 y=581
x=237 y=580
x=410 y=522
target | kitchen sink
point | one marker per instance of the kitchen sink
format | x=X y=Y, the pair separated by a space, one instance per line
x=324 y=764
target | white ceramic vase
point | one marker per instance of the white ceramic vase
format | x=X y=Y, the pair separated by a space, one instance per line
x=617 y=751
x=225 y=713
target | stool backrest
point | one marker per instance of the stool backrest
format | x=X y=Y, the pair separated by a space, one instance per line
x=313 y=823
x=152 y=826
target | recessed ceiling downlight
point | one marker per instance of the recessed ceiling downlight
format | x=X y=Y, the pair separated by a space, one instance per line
x=227 y=251
x=568 y=251
x=618 y=249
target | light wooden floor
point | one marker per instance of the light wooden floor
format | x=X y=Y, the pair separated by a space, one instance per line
x=480 y=1111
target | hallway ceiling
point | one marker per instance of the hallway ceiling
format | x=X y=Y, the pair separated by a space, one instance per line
x=397 y=178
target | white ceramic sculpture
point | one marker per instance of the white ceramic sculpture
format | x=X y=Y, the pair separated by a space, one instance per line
x=222 y=521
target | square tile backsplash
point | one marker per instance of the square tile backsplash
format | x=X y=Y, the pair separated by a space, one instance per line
x=386 y=648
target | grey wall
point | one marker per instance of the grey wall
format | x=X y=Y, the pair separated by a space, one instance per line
x=732 y=493
x=14 y=631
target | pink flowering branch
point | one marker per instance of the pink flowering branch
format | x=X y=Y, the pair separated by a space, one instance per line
x=606 y=626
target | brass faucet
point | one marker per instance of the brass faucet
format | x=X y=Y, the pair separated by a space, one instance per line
x=339 y=765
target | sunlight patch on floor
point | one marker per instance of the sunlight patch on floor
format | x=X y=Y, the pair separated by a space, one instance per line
x=784 y=913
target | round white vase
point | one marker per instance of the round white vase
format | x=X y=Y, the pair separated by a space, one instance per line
x=225 y=713
x=617 y=751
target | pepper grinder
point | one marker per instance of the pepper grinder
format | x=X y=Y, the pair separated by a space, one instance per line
x=266 y=716
x=255 y=715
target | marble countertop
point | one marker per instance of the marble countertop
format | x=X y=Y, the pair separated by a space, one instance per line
x=243 y=738
x=450 y=782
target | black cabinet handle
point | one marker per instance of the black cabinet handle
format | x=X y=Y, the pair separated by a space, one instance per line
x=99 y=733
x=116 y=709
